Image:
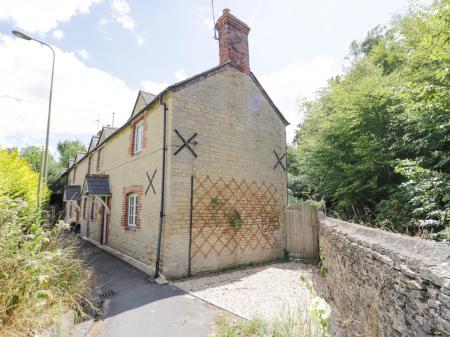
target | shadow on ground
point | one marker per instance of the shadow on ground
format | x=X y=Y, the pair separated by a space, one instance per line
x=141 y=308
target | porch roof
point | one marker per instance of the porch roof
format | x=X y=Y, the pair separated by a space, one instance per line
x=72 y=192
x=97 y=185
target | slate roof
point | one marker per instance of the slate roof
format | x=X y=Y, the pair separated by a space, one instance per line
x=72 y=192
x=79 y=156
x=143 y=99
x=97 y=185
x=106 y=132
x=94 y=142
x=148 y=97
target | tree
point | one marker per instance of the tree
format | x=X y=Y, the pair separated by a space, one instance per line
x=375 y=143
x=68 y=149
x=33 y=155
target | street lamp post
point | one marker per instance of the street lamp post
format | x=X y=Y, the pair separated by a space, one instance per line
x=45 y=159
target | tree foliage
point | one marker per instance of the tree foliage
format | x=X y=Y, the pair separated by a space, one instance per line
x=33 y=155
x=376 y=142
x=18 y=180
x=68 y=149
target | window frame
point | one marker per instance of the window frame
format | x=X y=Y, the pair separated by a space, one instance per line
x=89 y=164
x=132 y=208
x=99 y=158
x=138 y=137
x=84 y=201
x=93 y=209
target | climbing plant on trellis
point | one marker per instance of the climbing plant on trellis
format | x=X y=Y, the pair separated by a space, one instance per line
x=219 y=201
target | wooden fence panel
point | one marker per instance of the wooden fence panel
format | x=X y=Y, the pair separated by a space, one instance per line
x=302 y=232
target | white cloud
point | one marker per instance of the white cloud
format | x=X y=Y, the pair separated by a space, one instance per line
x=58 y=34
x=180 y=75
x=298 y=80
x=81 y=95
x=139 y=39
x=83 y=54
x=103 y=28
x=156 y=87
x=43 y=15
x=153 y=87
x=121 y=13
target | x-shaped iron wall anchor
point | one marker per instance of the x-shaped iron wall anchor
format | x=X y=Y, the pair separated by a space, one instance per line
x=150 y=182
x=279 y=160
x=186 y=143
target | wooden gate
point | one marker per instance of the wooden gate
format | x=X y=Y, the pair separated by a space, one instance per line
x=302 y=232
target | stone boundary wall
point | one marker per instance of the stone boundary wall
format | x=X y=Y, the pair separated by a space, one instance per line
x=385 y=284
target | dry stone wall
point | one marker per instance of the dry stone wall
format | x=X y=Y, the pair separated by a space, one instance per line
x=385 y=284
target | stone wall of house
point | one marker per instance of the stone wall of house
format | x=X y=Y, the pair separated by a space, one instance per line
x=385 y=284
x=127 y=173
x=237 y=134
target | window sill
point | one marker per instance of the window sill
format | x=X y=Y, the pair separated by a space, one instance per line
x=131 y=228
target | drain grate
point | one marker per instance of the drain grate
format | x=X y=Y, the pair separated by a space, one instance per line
x=107 y=294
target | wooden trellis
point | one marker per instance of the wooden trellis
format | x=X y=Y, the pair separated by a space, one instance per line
x=257 y=204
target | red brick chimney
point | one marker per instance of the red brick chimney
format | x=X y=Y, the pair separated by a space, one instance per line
x=233 y=41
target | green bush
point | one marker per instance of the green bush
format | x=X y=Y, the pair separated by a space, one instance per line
x=375 y=142
x=41 y=276
x=18 y=180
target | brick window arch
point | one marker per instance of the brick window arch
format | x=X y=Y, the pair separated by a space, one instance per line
x=138 y=135
x=132 y=207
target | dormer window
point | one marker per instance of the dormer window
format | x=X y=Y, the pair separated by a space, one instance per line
x=138 y=137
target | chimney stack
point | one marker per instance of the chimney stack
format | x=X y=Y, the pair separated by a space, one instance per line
x=233 y=41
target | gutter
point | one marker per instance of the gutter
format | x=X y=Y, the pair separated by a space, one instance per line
x=163 y=189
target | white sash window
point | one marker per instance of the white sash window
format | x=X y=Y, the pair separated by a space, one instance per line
x=132 y=209
x=138 y=137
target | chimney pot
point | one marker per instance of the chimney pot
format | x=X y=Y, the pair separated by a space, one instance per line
x=233 y=41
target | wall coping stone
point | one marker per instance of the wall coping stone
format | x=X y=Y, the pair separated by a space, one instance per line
x=429 y=259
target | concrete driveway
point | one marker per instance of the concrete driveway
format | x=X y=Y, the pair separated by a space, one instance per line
x=141 y=308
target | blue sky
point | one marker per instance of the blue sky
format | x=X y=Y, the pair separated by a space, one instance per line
x=109 y=49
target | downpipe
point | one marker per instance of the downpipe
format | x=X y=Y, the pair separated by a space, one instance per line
x=163 y=189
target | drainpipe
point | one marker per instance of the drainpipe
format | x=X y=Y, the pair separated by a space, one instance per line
x=163 y=176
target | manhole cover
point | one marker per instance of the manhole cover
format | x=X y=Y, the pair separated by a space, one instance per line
x=107 y=294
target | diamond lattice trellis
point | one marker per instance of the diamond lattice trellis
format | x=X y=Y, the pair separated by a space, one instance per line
x=214 y=198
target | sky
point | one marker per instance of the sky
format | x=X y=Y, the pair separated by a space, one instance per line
x=107 y=50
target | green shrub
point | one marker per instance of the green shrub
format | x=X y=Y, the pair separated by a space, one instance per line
x=18 y=180
x=40 y=275
x=375 y=141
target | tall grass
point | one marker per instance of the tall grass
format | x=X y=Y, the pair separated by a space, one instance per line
x=40 y=274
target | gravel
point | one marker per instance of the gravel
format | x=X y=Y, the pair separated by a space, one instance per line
x=263 y=291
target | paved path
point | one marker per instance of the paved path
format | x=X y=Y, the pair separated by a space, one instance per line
x=141 y=308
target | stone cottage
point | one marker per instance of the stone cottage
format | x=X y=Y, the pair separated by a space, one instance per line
x=195 y=180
